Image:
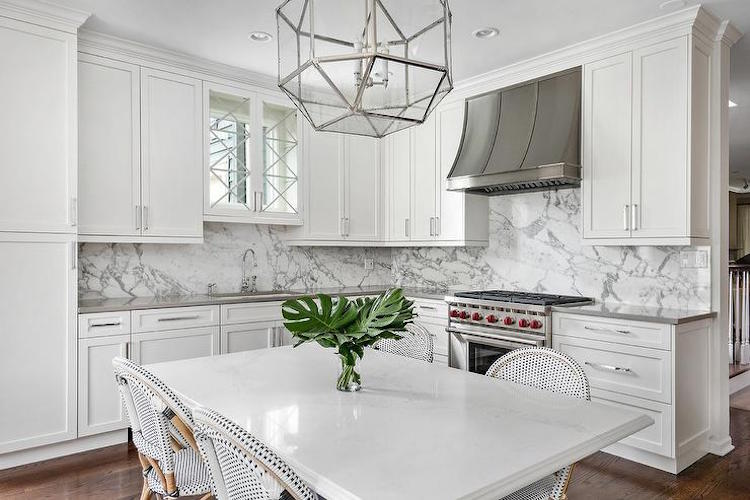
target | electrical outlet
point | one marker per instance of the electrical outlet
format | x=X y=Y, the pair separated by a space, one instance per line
x=369 y=264
x=694 y=259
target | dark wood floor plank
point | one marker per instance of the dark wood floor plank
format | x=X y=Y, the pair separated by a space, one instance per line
x=114 y=473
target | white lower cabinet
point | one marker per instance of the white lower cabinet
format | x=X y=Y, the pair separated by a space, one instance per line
x=248 y=337
x=99 y=406
x=158 y=347
x=657 y=369
x=433 y=315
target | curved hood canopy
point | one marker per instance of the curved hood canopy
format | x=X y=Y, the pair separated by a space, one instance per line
x=521 y=138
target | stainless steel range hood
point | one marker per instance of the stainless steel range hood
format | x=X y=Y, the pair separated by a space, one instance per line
x=521 y=138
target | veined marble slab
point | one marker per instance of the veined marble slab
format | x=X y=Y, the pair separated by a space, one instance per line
x=416 y=430
x=638 y=313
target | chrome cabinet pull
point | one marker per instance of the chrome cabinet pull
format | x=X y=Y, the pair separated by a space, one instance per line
x=625 y=216
x=346 y=225
x=127 y=350
x=431 y=308
x=145 y=218
x=102 y=325
x=73 y=254
x=634 y=217
x=432 y=226
x=406 y=227
x=437 y=226
x=179 y=318
x=74 y=212
x=138 y=217
x=606 y=330
x=611 y=368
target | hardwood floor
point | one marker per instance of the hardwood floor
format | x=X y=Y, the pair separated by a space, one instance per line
x=114 y=473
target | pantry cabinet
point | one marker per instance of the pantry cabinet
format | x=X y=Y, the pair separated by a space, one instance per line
x=645 y=145
x=140 y=141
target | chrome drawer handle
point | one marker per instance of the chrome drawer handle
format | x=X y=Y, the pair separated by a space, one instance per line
x=101 y=325
x=431 y=308
x=611 y=368
x=179 y=318
x=606 y=330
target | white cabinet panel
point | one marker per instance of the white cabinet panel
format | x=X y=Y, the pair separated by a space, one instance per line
x=156 y=347
x=171 y=155
x=424 y=181
x=103 y=324
x=232 y=314
x=660 y=145
x=451 y=223
x=37 y=128
x=324 y=153
x=362 y=188
x=236 y=338
x=99 y=405
x=109 y=147
x=174 y=318
x=397 y=158
x=38 y=357
x=607 y=147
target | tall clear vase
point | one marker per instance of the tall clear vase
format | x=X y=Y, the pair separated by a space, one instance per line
x=348 y=380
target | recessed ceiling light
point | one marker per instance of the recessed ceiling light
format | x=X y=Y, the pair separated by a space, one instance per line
x=260 y=36
x=484 y=33
x=672 y=4
x=732 y=104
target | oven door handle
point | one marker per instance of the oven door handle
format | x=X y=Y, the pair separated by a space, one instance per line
x=503 y=342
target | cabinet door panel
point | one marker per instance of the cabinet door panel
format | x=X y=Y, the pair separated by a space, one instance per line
x=324 y=184
x=398 y=160
x=450 y=224
x=38 y=357
x=157 y=347
x=99 y=406
x=247 y=337
x=424 y=180
x=660 y=139
x=362 y=183
x=171 y=154
x=109 y=144
x=607 y=138
x=37 y=128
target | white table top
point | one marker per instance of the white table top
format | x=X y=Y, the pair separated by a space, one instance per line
x=415 y=430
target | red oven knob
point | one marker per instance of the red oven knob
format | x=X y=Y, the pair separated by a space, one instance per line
x=491 y=318
x=536 y=324
x=463 y=315
x=523 y=323
x=454 y=313
x=508 y=320
x=476 y=316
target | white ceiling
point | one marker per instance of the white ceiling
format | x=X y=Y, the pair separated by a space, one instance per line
x=218 y=30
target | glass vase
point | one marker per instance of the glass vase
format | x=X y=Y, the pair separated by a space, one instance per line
x=348 y=380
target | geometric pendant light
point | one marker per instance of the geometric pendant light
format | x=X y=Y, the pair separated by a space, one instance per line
x=365 y=67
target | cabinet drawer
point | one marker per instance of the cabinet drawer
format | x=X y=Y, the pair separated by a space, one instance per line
x=657 y=437
x=439 y=335
x=247 y=337
x=430 y=308
x=232 y=314
x=158 y=347
x=174 y=318
x=636 y=371
x=636 y=333
x=103 y=324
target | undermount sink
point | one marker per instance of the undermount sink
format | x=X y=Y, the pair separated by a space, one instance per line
x=259 y=295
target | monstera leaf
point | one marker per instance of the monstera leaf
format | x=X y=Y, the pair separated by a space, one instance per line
x=345 y=325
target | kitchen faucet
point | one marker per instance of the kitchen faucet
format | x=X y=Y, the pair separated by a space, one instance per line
x=248 y=283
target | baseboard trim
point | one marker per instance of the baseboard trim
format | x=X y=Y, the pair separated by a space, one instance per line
x=40 y=453
x=739 y=382
x=720 y=447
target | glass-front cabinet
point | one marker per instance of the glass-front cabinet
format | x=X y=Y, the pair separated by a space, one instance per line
x=251 y=157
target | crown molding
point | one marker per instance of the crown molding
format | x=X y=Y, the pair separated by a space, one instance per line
x=43 y=13
x=100 y=44
x=728 y=33
x=675 y=24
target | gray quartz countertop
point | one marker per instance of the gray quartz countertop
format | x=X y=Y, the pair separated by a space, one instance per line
x=86 y=306
x=638 y=313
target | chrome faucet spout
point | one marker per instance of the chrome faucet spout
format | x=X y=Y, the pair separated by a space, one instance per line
x=249 y=284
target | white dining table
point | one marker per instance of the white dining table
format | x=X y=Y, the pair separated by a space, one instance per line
x=415 y=431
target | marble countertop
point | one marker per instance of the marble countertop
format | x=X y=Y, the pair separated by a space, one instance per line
x=415 y=430
x=86 y=306
x=638 y=312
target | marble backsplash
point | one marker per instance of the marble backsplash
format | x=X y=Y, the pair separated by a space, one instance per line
x=535 y=245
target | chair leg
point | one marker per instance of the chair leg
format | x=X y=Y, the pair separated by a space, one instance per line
x=205 y=497
x=146 y=491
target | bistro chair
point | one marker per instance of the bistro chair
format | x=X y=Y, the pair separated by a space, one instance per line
x=162 y=428
x=550 y=370
x=416 y=343
x=242 y=467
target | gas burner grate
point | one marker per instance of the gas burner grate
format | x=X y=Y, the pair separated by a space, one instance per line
x=542 y=299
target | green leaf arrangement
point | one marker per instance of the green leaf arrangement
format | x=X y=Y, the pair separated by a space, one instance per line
x=348 y=326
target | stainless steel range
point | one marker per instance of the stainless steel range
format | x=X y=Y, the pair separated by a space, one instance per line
x=484 y=325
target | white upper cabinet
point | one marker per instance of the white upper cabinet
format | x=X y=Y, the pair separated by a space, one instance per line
x=397 y=162
x=361 y=188
x=251 y=156
x=645 y=146
x=109 y=166
x=171 y=152
x=424 y=181
x=37 y=128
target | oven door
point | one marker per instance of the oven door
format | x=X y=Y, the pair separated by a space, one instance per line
x=476 y=353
